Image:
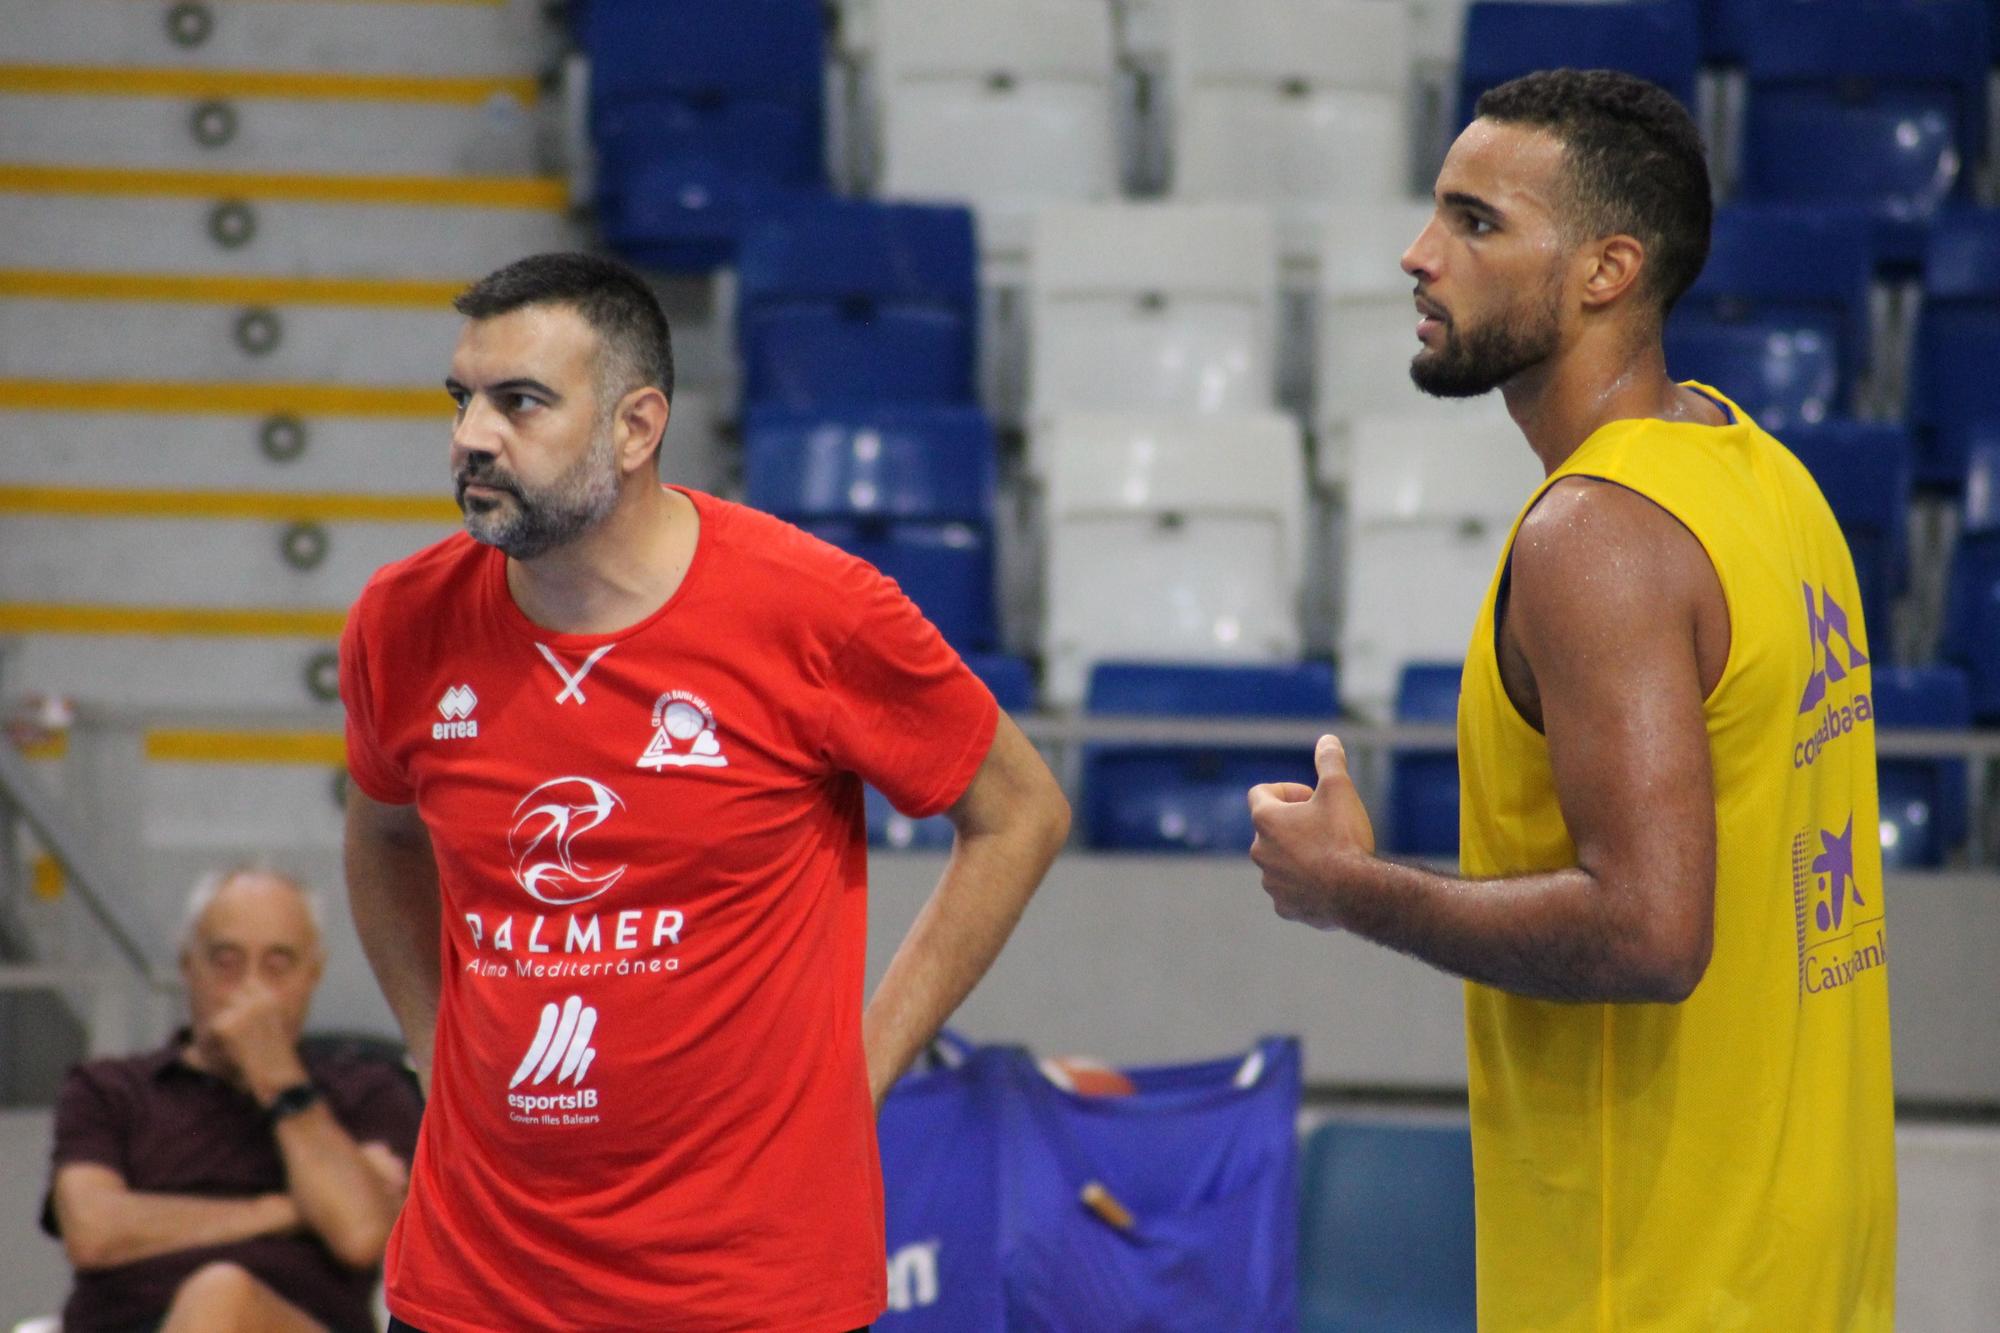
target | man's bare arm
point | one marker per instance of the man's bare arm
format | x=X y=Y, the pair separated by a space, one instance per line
x=104 y=1223
x=1011 y=822
x=392 y=889
x=1606 y=592
x=344 y=1192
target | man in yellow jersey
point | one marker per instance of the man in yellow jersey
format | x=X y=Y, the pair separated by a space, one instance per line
x=1671 y=914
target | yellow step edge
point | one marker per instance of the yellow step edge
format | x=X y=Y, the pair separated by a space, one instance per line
x=229 y=289
x=52 y=746
x=304 y=507
x=535 y=193
x=193 y=621
x=48 y=881
x=226 y=398
x=112 y=81
x=188 y=746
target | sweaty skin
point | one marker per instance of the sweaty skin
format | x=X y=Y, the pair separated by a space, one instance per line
x=1614 y=630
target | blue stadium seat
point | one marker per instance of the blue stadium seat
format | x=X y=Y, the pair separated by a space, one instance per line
x=945 y=568
x=908 y=489
x=703 y=114
x=1189 y=798
x=1504 y=39
x=844 y=302
x=1779 y=317
x=892 y=462
x=1924 y=800
x=1971 y=638
x=1423 y=784
x=1954 y=394
x=1880 y=106
x=1012 y=681
x=1864 y=470
x=1385 y=1229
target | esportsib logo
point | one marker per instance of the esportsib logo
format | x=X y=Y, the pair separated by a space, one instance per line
x=561 y=1046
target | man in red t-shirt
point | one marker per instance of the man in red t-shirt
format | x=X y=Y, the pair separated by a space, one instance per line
x=605 y=852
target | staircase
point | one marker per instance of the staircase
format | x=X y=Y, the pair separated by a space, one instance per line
x=229 y=236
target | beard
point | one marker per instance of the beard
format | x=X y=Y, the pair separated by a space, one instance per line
x=526 y=522
x=1486 y=356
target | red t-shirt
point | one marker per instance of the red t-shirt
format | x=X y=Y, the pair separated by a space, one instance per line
x=649 y=1103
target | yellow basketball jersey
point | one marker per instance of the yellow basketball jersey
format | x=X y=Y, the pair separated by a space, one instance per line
x=1727 y=1162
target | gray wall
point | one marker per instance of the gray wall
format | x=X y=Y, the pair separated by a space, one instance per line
x=1135 y=958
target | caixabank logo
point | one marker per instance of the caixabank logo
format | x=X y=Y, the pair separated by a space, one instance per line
x=1836 y=659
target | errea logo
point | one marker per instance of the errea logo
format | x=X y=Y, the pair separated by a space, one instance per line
x=457 y=706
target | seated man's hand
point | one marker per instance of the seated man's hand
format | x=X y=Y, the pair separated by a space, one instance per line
x=251 y=1037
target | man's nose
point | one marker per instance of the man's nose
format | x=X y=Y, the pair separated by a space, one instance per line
x=1420 y=260
x=476 y=431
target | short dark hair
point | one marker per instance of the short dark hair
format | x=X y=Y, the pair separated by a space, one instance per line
x=1635 y=164
x=612 y=298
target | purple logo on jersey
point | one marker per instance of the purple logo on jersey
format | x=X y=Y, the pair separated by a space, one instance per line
x=1835 y=866
x=1825 y=619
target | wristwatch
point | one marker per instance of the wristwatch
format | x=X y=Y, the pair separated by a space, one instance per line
x=290 y=1101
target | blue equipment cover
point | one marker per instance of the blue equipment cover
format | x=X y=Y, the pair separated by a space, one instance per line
x=1206 y=1168
x=939 y=1136
x=985 y=1163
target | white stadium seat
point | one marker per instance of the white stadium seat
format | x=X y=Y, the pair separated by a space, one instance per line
x=1431 y=496
x=1151 y=307
x=1004 y=105
x=1300 y=104
x=1366 y=324
x=1172 y=538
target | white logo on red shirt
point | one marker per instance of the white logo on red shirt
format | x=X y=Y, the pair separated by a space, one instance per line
x=456 y=705
x=572 y=682
x=547 y=823
x=562 y=1038
x=683 y=734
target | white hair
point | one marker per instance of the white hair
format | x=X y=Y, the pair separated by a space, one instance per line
x=202 y=896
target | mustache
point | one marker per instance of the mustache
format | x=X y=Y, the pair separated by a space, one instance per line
x=1429 y=307
x=480 y=470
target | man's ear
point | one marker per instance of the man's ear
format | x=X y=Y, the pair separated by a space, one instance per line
x=1615 y=268
x=640 y=425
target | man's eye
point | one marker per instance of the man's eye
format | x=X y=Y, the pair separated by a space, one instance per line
x=1478 y=226
x=520 y=402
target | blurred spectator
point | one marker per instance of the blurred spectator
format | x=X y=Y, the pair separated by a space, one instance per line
x=232 y=1180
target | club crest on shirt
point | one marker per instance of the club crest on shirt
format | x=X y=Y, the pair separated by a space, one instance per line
x=684 y=734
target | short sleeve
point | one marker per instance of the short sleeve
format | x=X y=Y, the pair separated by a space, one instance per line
x=378 y=1104
x=905 y=713
x=90 y=1126
x=367 y=763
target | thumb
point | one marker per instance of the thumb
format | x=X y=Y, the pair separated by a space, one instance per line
x=1330 y=758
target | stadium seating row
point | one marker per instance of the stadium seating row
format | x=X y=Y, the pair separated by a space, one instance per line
x=1298 y=104
x=1168 y=797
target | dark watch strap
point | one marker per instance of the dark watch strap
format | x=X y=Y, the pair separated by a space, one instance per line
x=291 y=1101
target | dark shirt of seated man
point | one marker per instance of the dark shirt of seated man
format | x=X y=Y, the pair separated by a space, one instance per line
x=231 y=1146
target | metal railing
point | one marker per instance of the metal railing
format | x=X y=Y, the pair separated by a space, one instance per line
x=108 y=994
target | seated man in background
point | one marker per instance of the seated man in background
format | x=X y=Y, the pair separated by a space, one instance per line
x=230 y=1180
